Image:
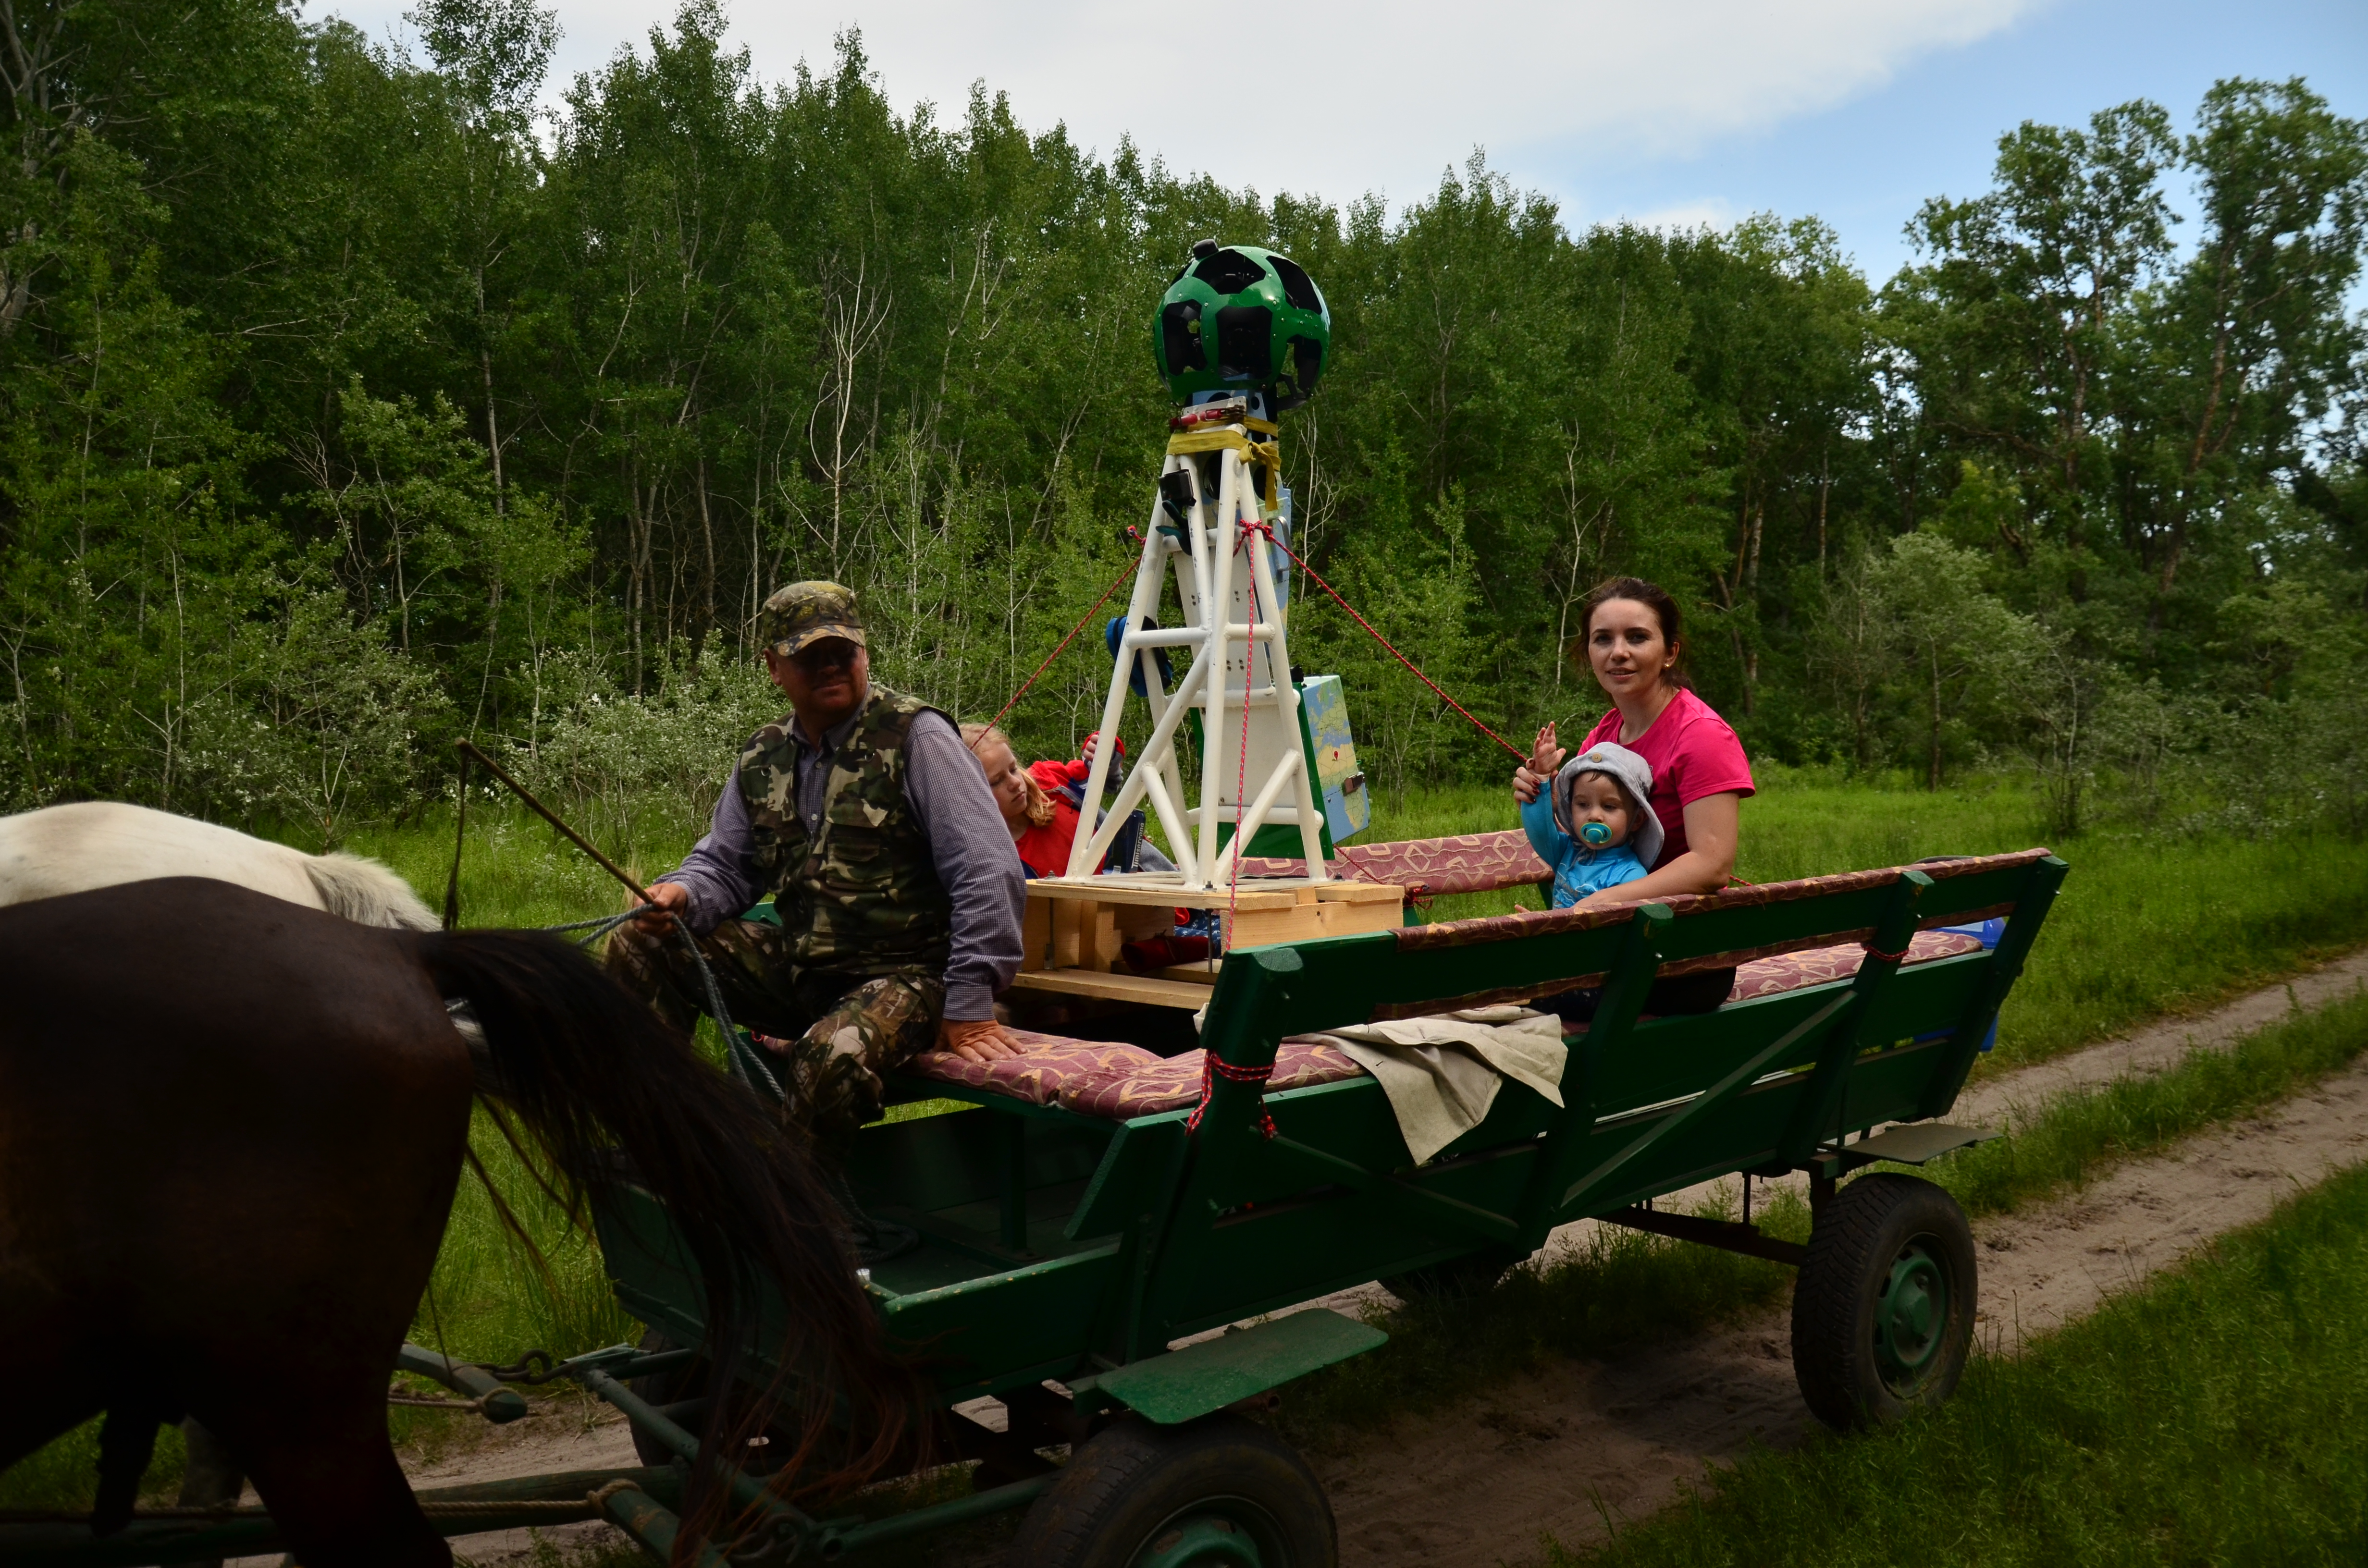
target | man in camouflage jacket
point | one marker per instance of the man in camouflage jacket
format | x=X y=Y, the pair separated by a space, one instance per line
x=870 y=826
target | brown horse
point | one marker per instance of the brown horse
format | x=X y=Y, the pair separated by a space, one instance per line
x=230 y=1132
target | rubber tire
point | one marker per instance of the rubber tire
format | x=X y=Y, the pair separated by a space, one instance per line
x=1135 y=1487
x=1457 y=1279
x=1861 y=1244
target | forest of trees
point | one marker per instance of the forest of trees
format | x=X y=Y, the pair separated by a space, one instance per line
x=353 y=405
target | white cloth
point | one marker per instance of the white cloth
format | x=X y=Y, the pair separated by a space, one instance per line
x=1442 y=1074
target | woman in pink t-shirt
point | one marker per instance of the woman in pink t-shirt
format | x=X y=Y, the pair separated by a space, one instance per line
x=1634 y=639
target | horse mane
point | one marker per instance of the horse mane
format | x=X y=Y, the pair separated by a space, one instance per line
x=368 y=892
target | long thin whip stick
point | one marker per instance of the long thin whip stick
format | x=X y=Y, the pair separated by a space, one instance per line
x=468 y=749
x=716 y=1005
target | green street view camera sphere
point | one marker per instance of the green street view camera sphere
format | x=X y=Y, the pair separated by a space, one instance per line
x=1240 y=319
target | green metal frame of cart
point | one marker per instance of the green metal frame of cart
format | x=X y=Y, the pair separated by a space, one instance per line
x=1060 y=1255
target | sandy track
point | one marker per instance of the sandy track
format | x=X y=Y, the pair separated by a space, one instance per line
x=1989 y=1101
x=1554 y=1452
x=1576 y=1443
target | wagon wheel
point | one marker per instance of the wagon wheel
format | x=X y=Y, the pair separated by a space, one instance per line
x=1457 y=1277
x=1221 y=1492
x=1883 y=1314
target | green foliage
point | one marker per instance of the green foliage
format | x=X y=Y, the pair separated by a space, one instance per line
x=291 y=320
x=2216 y=1417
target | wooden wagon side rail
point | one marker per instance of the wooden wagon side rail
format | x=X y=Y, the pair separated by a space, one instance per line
x=1809 y=1066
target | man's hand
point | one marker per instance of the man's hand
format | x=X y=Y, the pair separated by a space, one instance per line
x=670 y=899
x=972 y=1040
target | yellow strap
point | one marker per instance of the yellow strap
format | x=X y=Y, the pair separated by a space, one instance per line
x=1215 y=440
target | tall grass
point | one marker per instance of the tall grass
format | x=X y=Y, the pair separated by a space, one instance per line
x=2218 y=1416
x=2145 y=924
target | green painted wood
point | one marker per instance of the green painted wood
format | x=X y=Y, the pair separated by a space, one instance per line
x=1123 y=1186
x=1627 y=980
x=2034 y=899
x=1593 y=1190
x=1814 y=1117
x=1185 y=1384
x=935 y=1162
x=1041 y=1314
x=1173 y=1233
x=1435 y=1205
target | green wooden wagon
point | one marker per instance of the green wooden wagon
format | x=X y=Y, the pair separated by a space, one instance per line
x=1063 y=1257
x=1073 y=1267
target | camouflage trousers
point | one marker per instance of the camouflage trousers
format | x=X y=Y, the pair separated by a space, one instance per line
x=835 y=1033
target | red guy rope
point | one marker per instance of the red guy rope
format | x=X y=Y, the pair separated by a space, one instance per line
x=1268 y=530
x=1064 y=642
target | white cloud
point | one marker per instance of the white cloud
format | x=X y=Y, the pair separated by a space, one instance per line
x=1338 y=99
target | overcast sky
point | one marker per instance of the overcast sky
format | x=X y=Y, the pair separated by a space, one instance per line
x=1680 y=112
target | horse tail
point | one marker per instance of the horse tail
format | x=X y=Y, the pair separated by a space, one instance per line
x=588 y=1067
x=368 y=892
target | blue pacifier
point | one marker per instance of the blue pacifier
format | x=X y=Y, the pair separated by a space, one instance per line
x=1596 y=835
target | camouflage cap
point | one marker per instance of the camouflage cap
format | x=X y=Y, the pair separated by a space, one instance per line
x=808 y=612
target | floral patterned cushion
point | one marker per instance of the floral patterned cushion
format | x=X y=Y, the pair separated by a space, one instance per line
x=1465 y=862
x=1047 y=1062
x=1817 y=966
x=1175 y=1082
x=1103 y=1078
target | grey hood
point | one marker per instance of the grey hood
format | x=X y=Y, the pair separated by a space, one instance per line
x=1635 y=777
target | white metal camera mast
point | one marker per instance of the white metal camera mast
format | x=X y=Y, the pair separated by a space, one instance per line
x=1234 y=621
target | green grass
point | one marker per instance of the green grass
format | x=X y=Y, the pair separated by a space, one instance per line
x=2144 y=924
x=2079 y=1135
x=2220 y=1416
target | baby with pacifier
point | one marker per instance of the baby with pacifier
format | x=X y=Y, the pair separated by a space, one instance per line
x=1592 y=824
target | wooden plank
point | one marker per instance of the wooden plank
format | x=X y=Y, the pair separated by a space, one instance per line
x=1340 y=891
x=1147 y=989
x=1313 y=920
x=1116 y=890
x=1036 y=934
x=1268 y=927
x=1069 y=920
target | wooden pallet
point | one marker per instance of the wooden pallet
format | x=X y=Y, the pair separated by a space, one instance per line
x=1075 y=927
